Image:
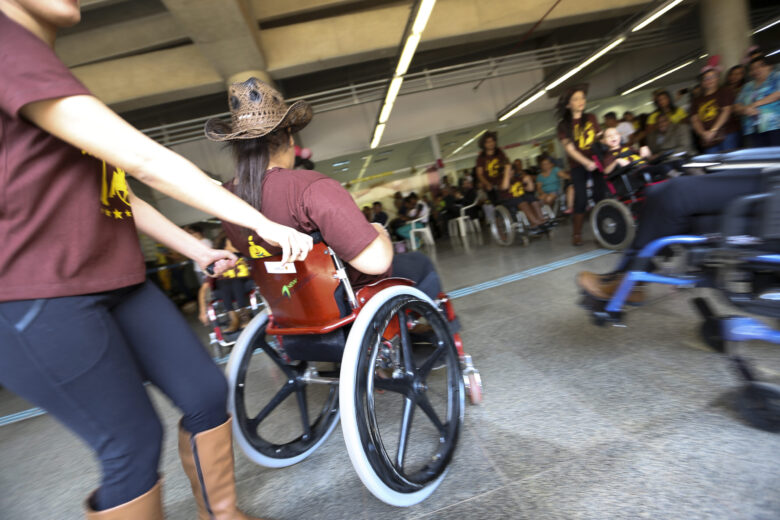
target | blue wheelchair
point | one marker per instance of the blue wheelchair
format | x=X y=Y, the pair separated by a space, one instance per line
x=741 y=261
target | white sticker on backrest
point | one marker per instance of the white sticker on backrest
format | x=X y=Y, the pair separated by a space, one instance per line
x=279 y=268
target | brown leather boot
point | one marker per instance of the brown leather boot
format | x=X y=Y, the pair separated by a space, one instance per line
x=244 y=317
x=604 y=287
x=235 y=322
x=576 y=224
x=147 y=507
x=207 y=459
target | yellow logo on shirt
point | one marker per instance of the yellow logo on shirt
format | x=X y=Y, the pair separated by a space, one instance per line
x=240 y=271
x=256 y=251
x=493 y=167
x=585 y=136
x=709 y=110
x=114 y=194
x=516 y=189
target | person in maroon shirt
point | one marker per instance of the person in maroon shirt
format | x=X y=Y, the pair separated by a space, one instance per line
x=493 y=168
x=82 y=330
x=711 y=113
x=578 y=131
x=260 y=131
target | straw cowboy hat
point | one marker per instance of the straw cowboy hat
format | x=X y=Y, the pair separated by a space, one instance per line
x=257 y=109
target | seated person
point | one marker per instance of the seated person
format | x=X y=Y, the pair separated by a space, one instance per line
x=513 y=195
x=380 y=217
x=261 y=134
x=670 y=137
x=669 y=209
x=415 y=209
x=618 y=155
x=549 y=180
x=232 y=287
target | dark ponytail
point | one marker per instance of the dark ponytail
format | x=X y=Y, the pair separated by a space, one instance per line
x=252 y=157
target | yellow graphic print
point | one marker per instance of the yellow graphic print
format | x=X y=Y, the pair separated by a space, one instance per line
x=493 y=168
x=516 y=189
x=709 y=111
x=240 y=271
x=584 y=137
x=256 y=251
x=114 y=193
x=624 y=153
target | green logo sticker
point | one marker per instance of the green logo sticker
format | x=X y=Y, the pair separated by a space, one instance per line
x=286 y=288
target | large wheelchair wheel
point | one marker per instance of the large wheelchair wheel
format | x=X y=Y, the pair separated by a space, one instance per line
x=612 y=224
x=402 y=396
x=280 y=416
x=502 y=227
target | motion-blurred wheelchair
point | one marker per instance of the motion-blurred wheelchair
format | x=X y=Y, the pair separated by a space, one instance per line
x=742 y=263
x=508 y=223
x=613 y=219
x=386 y=359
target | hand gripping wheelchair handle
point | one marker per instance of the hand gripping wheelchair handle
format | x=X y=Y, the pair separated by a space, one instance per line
x=316 y=237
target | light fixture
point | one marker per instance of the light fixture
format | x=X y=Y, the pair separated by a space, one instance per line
x=767 y=26
x=464 y=145
x=585 y=63
x=424 y=8
x=773 y=53
x=656 y=15
x=656 y=78
x=522 y=105
x=378 y=131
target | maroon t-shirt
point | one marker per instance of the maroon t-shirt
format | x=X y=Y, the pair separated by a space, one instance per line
x=493 y=166
x=65 y=222
x=583 y=135
x=310 y=201
x=709 y=107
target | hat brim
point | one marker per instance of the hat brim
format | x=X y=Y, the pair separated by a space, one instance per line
x=298 y=115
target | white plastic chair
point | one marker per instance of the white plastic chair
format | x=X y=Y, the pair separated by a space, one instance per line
x=466 y=223
x=424 y=230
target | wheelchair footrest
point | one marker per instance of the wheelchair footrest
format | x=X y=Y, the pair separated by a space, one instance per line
x=600 y=315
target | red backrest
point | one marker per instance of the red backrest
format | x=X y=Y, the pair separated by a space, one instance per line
x=304 y=298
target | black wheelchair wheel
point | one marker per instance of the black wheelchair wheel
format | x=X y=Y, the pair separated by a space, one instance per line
x=402 y=419
x=502 y=227
x=612 y=224
x=759 y=405
x=280 y=415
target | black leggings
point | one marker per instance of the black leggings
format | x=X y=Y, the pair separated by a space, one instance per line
x=418 y=268
x=84 y=359
x=579 y=177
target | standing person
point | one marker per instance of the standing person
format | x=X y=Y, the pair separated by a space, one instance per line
x=711 y=113
x=493 y=168
x=759 y=105
x=578 y=132
x=380 y=217
x=664 y=105
x=82 y=338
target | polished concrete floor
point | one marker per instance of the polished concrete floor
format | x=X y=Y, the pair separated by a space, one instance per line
x=577 y=422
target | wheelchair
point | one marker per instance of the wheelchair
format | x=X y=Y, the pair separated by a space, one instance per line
x=384 y=359
x=506 y=224
x=742 y=262
x=220 y=340
x=613 y=219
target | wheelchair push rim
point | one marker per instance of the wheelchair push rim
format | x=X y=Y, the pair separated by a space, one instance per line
x=612 y=224
x=502 y=227
x=404 y=463
x=283 y=441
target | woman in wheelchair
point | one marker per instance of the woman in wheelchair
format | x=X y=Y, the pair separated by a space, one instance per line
x=517 y=192
x=389 y=338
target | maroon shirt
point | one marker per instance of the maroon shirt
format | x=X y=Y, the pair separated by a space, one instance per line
x=65 y=223
x=309 y=201
x=583 y=135
x=709 y=107
x=493 y=167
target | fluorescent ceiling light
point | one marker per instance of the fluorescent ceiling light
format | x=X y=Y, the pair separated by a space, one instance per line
x=464 y=145
x=340 y=164
x=656 y=15
x=407 y=54
x=522 y=105
x=773 y=53
x=378 y=131
x=384 y=115
x=651 y=80
x=426 y=7
x=767 y=26
x=392 y=92
x=585 y=63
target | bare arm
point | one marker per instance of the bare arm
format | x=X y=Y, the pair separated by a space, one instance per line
x=377 y=257
x=86 y=123
x=771 y=98
x=575 y=154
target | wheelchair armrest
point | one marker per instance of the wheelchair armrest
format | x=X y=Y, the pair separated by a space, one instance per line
x=623 y=169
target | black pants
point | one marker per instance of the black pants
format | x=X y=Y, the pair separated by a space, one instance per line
x=676 y=207
x=579 y=177
x=231 y=290
x=418 y=268
x=84 y=359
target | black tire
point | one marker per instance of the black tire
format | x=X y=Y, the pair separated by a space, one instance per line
x=612 y=224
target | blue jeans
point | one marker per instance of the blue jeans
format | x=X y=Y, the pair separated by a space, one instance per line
x=84 y=359
x=731 y=142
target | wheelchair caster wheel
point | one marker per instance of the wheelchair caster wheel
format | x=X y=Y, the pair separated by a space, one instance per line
x=473 y=385
x=712 y=334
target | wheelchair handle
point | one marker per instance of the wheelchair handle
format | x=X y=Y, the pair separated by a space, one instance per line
x=738 y=208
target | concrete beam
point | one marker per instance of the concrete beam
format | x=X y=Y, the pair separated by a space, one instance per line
x=119 y=39
x=226 y=32
x=152 y=78
x=272 y=9
x=351 y=38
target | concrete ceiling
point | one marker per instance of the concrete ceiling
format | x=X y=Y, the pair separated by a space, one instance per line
x=138 y=54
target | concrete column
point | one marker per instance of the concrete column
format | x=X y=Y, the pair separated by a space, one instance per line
x=726 y=29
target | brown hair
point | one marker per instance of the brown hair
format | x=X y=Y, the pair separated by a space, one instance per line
x=252 y=156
